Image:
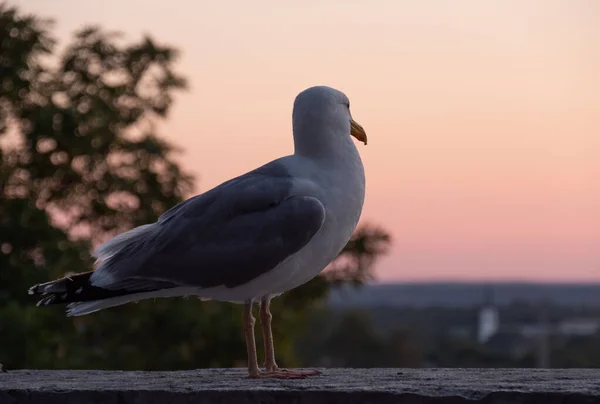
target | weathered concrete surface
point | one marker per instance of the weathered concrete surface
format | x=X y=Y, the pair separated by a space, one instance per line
x=346 y=386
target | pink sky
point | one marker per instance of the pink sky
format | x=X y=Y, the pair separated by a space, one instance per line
x=483 y=117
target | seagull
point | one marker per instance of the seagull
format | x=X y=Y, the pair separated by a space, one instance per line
x=245 y=241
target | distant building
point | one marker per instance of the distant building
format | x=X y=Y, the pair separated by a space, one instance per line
x=488 y=318
x=579 y=327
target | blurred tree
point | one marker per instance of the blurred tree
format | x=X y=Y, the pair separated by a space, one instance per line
x=577 y=352
x=402 y=350
x=354 y=343
x=466 y=353
x=80 y=160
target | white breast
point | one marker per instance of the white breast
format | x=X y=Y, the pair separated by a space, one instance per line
x=341 y=189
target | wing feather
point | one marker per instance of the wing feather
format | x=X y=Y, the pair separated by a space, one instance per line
x=224 y=237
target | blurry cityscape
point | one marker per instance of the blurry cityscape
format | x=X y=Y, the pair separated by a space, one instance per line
x=81 y=160
x=470 y=324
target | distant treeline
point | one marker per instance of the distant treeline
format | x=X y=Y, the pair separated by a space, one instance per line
x=467 y=294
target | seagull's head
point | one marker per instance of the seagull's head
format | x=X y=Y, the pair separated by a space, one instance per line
x=325 y=108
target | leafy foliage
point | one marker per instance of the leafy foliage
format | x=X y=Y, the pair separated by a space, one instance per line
x=81 y=160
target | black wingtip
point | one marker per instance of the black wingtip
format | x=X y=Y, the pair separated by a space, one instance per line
x=52 y=299
x=61 y=290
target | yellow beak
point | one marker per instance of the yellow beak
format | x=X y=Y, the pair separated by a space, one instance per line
x=358 y=132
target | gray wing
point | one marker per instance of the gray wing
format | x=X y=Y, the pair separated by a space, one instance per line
x=226 y=236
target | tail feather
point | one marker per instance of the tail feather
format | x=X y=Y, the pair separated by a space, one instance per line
x=85 y=294
x=82 y=308
x=76 y=289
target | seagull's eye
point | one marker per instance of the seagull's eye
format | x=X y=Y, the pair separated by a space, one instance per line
x=348 y=105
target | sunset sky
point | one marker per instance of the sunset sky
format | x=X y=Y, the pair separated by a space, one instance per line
x=483 y=117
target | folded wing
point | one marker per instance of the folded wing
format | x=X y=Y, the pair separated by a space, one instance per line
x=225 y=237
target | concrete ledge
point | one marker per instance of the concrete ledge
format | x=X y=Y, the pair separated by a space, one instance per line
x=347 y=386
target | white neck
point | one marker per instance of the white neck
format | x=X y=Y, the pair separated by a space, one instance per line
x=318 y=139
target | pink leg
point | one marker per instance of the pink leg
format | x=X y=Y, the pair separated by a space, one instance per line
x=270 y=364
x=253 y=370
